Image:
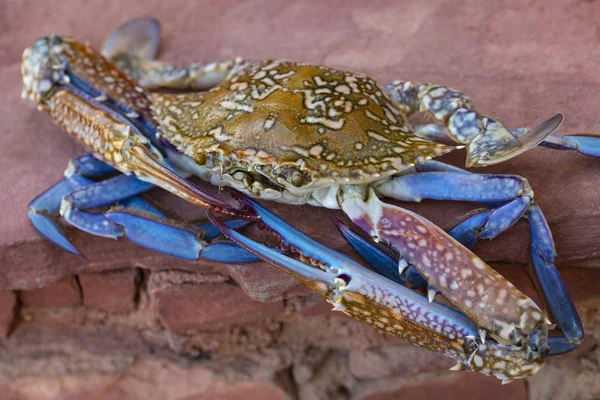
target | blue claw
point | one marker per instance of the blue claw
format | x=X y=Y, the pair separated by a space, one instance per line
x=338 y=268
x=384 y=263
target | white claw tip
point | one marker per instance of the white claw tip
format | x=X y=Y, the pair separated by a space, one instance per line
x=339 y=307
x=506 y=381
x=431 y=292
x=402 y=265
x=482 y=334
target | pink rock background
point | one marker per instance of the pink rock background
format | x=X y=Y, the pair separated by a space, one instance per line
x=129 y=324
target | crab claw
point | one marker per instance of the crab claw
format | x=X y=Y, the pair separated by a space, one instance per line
x=464 y=279
x=390 y=265
x=386 y=305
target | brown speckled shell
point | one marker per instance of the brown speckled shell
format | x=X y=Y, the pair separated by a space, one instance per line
x=328 y=123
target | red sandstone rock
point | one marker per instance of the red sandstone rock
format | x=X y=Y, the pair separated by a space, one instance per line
x=185 y=302
x=8 y=305
x=400 y=360
x=64 y=293
x=453 y=387
x=110 y=291
x=252 y=391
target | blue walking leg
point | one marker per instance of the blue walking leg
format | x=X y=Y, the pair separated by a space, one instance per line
x=553 y=287
x=142 y=223
x=43 y=210
x=88 y=165
x=513 y=192
x=585 y=144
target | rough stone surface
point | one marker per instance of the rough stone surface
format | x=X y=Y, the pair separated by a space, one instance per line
x=403 y=360
x=187 y=302
x=110 y=291
x=8 y=305
x=146 y=379
x=162 y=328
x=455 y=386
x=64 y=293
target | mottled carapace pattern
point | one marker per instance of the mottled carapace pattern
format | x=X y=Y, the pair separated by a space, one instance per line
x=327 y=125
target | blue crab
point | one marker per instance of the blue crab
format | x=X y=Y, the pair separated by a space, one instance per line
x=306 y=134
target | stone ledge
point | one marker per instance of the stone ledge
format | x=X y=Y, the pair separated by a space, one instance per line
x=114 y=291
x=64 y=293
x=183 y=304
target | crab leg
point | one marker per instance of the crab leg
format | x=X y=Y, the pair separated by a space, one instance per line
x=43 y=210
x=553 y=287
x=133 y=46
x=585 y=144
x=488 y=141
x=139 y=221
x=511 y=190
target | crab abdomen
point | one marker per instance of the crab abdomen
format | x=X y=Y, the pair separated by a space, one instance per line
x=333 y=125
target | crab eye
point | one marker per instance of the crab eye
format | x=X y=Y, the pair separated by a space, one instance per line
x=296 y=179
